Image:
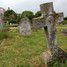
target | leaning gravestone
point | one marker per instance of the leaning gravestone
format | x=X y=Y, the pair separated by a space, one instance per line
x=24 y=27
x=50 y=19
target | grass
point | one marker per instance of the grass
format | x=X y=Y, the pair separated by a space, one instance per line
x=19 y=51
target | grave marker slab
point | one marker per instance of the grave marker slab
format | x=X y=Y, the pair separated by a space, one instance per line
x=24 y=27
x=1 y=18
x=38 y=23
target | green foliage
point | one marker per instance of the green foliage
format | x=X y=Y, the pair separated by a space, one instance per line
x=25 y=51
x=12 y=21
x=65 y=22
x=65 y=18
x=38 y=14
x=28 y=14
x=10 y=15
x=18 y=18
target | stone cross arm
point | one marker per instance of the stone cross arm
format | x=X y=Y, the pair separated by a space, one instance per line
x=60 y=17
x=40 y=22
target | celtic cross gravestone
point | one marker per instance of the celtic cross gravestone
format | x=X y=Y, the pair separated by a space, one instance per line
x=48 y=21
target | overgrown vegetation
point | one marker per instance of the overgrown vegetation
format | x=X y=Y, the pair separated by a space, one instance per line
x=19 y=51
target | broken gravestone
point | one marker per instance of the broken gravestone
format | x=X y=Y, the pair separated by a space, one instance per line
x=24 y=27
x=50 y=19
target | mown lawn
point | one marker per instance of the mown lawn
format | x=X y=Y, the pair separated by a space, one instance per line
x=19 y=51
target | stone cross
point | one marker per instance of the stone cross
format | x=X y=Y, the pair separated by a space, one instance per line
x=48 y=21
x=24 y=27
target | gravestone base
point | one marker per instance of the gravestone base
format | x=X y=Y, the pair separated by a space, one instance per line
x=47 y=57
x=26 y=34
x=50 y=59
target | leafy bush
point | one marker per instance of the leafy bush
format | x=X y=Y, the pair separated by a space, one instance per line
x=65 y=18
x=28 y=14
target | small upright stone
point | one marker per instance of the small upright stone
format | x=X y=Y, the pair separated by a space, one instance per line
x=60 y=17
x=24 y=27
x=1 y=18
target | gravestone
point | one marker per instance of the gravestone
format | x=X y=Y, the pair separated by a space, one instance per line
x=60 y=18
x=38 y=23
x=1 y=18
x=50 y=19
x=24 y=27
x=1 y=24
x=64 y=31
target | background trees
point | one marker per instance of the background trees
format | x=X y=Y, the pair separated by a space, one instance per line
x=38 y=14
x=10 y=16
x=28 y=14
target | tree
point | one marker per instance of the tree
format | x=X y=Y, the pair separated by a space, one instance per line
x=10 y=15
x=18 y=18
x=28 y=14
x=38 y=14
x=65 y=18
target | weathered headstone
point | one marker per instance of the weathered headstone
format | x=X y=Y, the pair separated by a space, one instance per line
x=1 y=24
x=60 y=18
x=2 y=10
x=50 y=19
x=24 y=27
x=1 y=18
x=38 y=23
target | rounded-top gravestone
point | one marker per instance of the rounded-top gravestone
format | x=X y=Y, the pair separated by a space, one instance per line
x=24 y=27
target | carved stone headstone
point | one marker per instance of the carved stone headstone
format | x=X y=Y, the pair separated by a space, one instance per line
x=50 y=19
x=38 y=23
x=24 y=27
